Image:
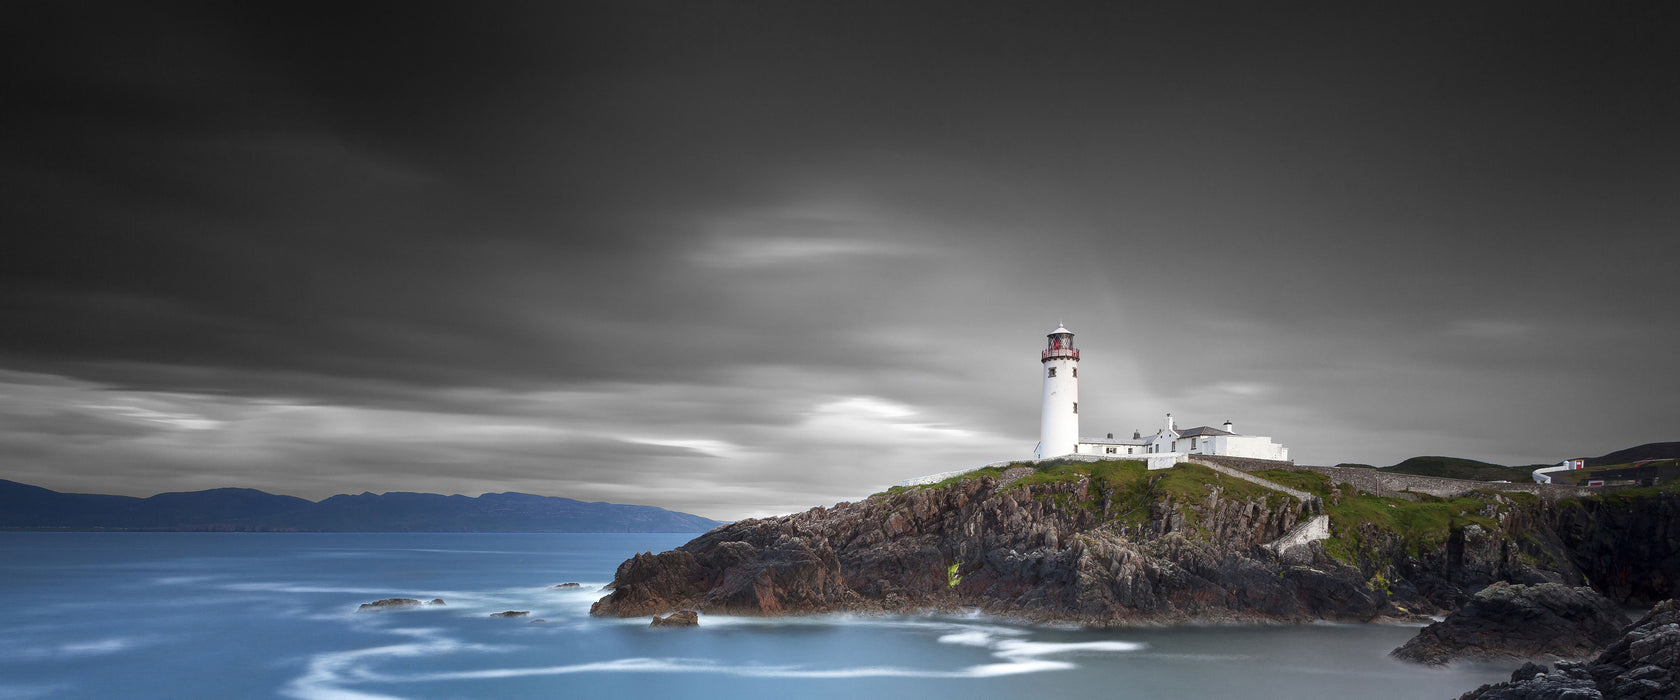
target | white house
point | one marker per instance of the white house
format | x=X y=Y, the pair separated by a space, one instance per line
x=1059 y=420
x=1203 y=440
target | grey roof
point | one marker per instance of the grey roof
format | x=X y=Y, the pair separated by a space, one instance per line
x=1202 y=431
x=1110 y=441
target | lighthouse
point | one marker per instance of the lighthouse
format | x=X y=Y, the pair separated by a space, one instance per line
x=1058 y=429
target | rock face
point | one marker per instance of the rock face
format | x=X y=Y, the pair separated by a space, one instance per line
x=680 y=618
x=1628 y=547
x=1550 y=621
x=1126 y=546
x=1065 y=550
x=1644 y=664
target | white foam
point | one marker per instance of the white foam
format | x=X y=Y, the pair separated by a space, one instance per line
x=97 y=647
x=325 y=674
x=275 y=587
x=973 y=638
x=646 y=665
x=328 y=675
x=105 y=646
x=1016 y=648
x=12 y=691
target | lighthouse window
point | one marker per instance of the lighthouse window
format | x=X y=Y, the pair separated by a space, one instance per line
x=1076 y=373
x=1052 y=371
x=1076 y=407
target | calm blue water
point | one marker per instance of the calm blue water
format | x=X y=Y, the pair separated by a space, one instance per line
x=188 y=615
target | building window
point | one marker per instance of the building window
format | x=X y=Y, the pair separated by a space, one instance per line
x=1112 y=450
x=1052 y=371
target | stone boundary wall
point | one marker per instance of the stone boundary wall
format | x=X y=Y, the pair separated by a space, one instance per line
x=1299 y=495
x=1391 y=484
x=1247 y=464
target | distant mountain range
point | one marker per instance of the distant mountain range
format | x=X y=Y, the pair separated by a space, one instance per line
x=1457 y=468
x=25 y=507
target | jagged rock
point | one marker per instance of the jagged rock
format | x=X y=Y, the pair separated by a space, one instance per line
x=511 y=613
x=566 y=585
x=1023 y=551
x=1644 y=664
x=1506 y=621
x=436 y=601
x=680 y=618
x=1083 y=550
x=389 y=604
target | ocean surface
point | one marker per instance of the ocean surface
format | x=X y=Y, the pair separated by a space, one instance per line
x=196 y=615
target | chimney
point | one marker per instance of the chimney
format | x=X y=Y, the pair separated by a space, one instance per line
x=1228 y=427
x=1111 y=436
x=1137 y=435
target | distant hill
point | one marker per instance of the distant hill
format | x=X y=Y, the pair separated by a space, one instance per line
x=1649 y=450
x=1458 y=468
x=25 y=507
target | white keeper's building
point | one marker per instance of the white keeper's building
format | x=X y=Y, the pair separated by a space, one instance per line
x=1059 y=421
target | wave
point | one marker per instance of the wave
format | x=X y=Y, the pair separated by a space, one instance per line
x=104 y=646
x=648 y=665
x=328 y=675
x=14 y=691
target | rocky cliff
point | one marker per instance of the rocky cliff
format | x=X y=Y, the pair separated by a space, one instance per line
x=1517 y=622
x=1644 y=664
x=1107 y=543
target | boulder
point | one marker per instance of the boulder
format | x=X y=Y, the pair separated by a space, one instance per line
x=511 y=613
x=390 y=604
x=1644 y=664
x=436 y=601
x=1517 y=622
x=680 y=618
x=569 y=584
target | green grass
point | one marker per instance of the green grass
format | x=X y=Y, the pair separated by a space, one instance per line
x=1420 y=525
x=1628 y=498
x=1184 y=482
x=1311 y=482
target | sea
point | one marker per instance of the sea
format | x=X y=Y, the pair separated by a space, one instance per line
x=246 y=615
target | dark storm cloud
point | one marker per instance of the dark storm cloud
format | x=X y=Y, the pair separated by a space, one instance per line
x=780 y=230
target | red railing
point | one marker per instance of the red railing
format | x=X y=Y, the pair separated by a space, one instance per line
x=1060 y=352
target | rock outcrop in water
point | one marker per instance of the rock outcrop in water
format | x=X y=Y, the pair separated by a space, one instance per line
x=397 y=604
x=680 y=618
x=1546 y=621
x=1644 y=664
x=1112 y=544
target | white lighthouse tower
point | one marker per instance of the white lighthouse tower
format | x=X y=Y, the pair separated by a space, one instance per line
x=1058 y=428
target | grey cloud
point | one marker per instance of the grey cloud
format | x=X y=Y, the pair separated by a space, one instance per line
x=1368 y=232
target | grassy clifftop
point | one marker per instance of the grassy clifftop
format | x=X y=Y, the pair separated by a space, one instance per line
x=1364 y=527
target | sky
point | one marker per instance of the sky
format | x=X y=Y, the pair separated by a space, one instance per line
x=739 y=258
